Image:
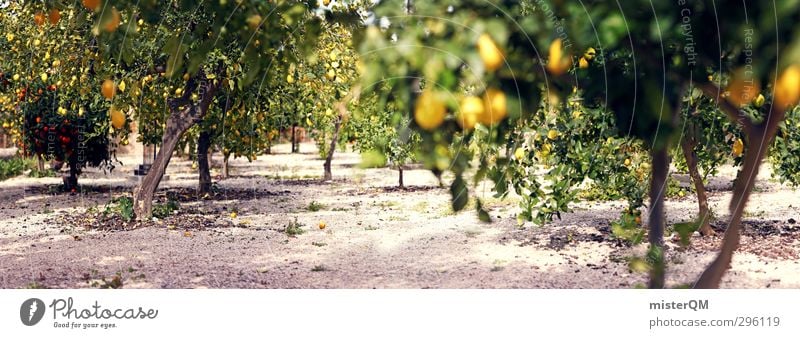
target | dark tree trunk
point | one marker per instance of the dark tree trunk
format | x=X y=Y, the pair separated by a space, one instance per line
x=656 y=216
x=400 y=178
x=71 y=179
x=759 y=138
x=183 y=115
x=40 y=163
x=704 y=215
x=203 y=163
x=334 y=140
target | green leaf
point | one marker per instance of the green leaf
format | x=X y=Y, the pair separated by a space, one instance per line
x=460 y=194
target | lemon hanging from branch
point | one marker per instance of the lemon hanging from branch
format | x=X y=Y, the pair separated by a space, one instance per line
x=491 y=55
x=557 y=63
x=495 y=107
x=470 y=111
x=429 y=111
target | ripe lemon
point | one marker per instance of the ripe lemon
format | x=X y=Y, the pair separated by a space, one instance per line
x=743 y=88
x=55 y=16
x=495 y=107
x=117 y=118
x=322 y=225
x=471 y=110
x=254 y=21
x=583 y=64
x=16 y=77
x=108 y=89
x=112 y=25
x=429 y=111
x=491 y=55
x=91 y=4
x=234 y=214
x=519 y=154
x=787 y=88
x=627 y=162
x=122 y=86
x=759 y=101
x=738 y=147
x=289 y=79
x=589 y=54
x=38 y=18
x=557 y=63
x=552 y=134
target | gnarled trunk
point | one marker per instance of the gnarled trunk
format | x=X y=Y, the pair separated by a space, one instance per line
x=400 y=179
x=328 y=175
x=704 y=215
x=203 y=163
x=183 y=115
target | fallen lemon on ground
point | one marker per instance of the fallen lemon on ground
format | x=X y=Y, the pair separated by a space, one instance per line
x=322 y=225
x=234 y=214
x=429 y=111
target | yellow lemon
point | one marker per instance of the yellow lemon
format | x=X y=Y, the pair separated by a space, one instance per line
x=589 y=54
x=322 y=225
x=552 y=134
x=254 y=21
x=289 y=79
x=738 y=147
x=108 y=89
x=627 y=162
x=429 y=111
x=583 y=64
x=471 y=110
x=491 y=55
x=743 y=87
x=117 y=118
x=519 y=154
x=234 y=214
x=495 y=107
x=787 y=88
x=122 y=86
x=759 y=101
x=557 y=63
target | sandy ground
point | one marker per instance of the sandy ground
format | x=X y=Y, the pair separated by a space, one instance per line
x=376 y=236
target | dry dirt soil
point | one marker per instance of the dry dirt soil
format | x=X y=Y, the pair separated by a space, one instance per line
x=375 y=235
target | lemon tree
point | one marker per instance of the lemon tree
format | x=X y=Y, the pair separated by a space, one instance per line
x=46 y=99
x=551 y=49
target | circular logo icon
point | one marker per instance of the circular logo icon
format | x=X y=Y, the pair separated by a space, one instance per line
x=31 y=311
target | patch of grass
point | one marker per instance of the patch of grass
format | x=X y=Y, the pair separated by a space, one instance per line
x=499 y=265
x=385 y=204
x=371 y=227
x=315 y=206
x=11 y=167
x=420 y=207
x=319 y=268
x=166 y=209
x=472 y=233
x=36 y=285
x=320 y=244
x=294 y=228
x=123 y=206
x=396 y=218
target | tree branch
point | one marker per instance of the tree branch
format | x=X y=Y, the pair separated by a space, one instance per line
x=711 y=90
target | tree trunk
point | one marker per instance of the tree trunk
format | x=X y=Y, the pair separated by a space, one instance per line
x=704 y=215
x=759 y=138
x=400 y=183
x=656 y=217
x=203 y=164
x=295 y=148
x=71 y=180
x=40 y=163
x=183 y=115
x=334 y=140
x=225 y=166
